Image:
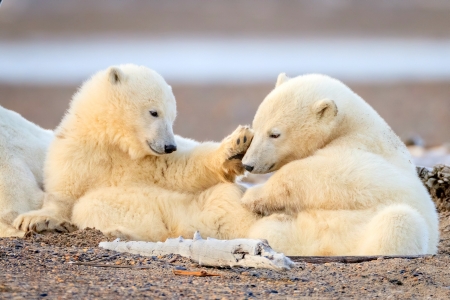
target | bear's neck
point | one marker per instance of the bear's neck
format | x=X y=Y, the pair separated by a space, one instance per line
x=369 y=132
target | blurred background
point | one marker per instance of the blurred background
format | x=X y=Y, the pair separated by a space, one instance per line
x=223 y=57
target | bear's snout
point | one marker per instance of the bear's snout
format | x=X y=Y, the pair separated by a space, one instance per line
x=170 y=148
x=248 y=168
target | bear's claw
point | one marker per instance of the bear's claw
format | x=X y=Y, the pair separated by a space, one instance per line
x=237 y=156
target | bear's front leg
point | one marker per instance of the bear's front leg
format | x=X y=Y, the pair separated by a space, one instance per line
x=258 y=201
x=232 y=150
x=253 y=200
x=277 y=194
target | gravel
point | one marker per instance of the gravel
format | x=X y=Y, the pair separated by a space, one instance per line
x=45 y=266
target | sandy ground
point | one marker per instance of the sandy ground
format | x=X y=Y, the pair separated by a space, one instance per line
x=42 y=266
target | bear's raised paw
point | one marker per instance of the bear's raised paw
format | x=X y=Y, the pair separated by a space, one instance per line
x=233 y=149
x=237 y=143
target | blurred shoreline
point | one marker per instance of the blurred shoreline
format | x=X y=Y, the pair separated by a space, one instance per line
x=221 y=60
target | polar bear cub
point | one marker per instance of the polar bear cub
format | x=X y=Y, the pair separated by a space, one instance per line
x=23 y=146
x=116 y=159
x=341 y=173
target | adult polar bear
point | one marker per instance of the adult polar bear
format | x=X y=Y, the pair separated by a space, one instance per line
x=23 y=146
x=342 y=174
x=108 y=159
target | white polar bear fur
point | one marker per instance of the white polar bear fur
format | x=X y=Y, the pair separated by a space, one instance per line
x=342 y=175
x=103 y=164
x=23 y=146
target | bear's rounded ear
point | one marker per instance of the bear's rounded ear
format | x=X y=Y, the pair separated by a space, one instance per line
x=282 y=78
x=116 y=75
x=325 y=108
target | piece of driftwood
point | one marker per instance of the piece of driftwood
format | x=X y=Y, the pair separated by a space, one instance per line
x=201 y=273
x=437 y=181
x=348 y=259
x=210 y=252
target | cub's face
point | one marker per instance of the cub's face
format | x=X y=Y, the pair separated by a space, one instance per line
x=148 y=108
x=155 y=128
x=268 y=150
x=273 y=141
x=289 y=125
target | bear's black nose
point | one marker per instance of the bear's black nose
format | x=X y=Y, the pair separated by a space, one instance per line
x=170 y=148
x=248 y=168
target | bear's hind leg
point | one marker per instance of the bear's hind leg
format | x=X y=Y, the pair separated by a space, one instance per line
x=395 y=230
x=130 y=213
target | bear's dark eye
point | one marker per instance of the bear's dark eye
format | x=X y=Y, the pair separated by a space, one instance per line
x=154 y=113
x=275 y=135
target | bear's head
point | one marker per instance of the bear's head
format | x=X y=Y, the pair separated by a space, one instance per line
x=128 y=106
x=300 y=116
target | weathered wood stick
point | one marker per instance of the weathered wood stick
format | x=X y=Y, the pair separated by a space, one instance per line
x=437 y=181
x=210 y=252
x=348 y=259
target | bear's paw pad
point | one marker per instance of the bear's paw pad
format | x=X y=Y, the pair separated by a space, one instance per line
x=238 y=142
